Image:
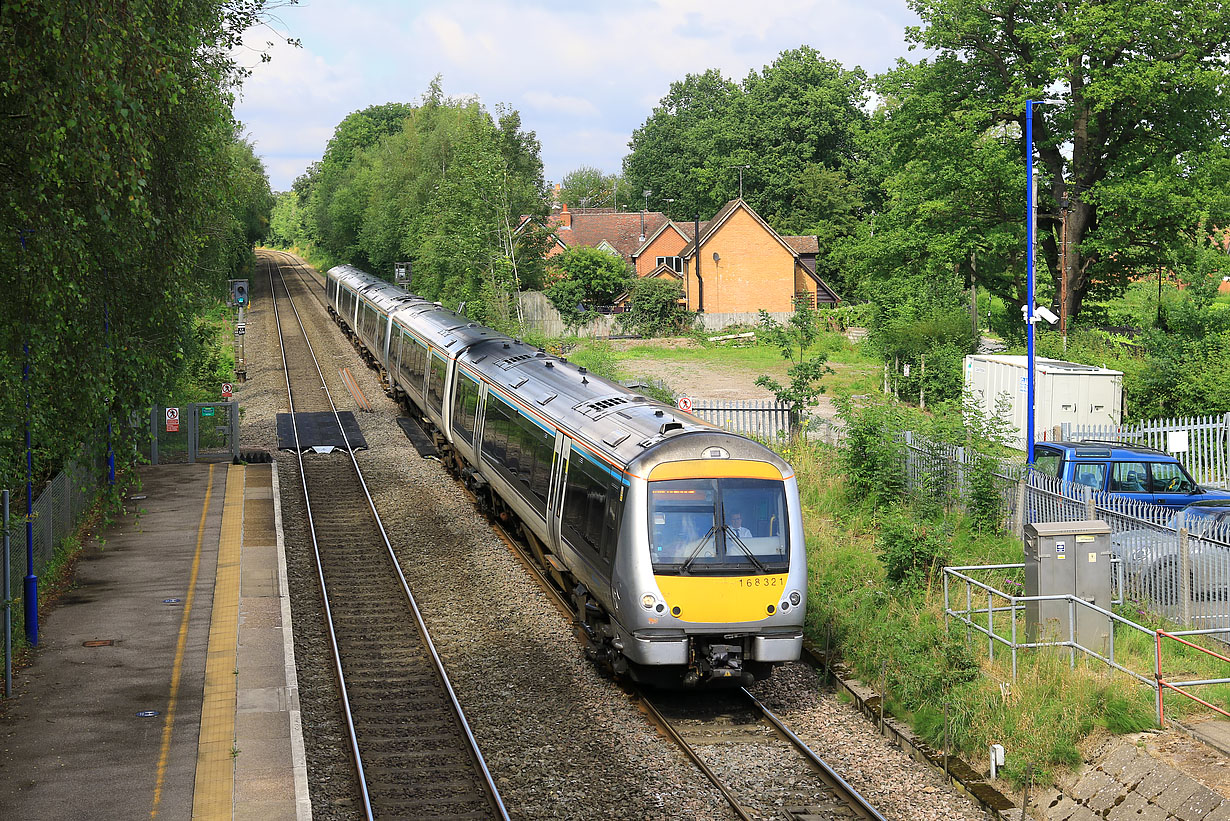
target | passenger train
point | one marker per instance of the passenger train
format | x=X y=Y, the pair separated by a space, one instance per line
x=680 y=544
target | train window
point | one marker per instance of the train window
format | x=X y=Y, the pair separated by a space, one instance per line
x=585 y=501
x=718 y=526
x=465 y=407
x=614 y=517
x=495 y=428
x=382 y=332
x=536 y=449
x=435 y=384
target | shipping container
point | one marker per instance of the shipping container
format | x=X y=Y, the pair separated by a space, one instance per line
x=1063 y=392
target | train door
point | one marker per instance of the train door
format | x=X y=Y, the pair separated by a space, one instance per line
x=446 y=411
x=388 y=344
x=555 y=498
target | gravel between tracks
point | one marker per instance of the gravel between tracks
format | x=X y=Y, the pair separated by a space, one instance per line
x=560 y=740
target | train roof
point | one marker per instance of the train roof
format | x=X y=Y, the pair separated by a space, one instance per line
x=625 y=427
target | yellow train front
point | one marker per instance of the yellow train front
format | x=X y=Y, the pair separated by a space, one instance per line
x=710 y=580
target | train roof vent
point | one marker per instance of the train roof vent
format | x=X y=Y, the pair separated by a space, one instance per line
x=513 y=360
x=615 y=437
x=599 y=406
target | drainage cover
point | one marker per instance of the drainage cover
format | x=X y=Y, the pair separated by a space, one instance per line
x=319 y=430
x=98 y=643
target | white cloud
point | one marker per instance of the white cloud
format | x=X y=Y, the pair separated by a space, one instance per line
x=546 y=101
x=585 y=76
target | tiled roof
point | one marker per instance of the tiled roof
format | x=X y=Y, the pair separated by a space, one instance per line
x=803 y=245
x=621 y=229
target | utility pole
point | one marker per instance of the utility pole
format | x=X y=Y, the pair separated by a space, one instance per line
x=741 y=169
x=1063 y=271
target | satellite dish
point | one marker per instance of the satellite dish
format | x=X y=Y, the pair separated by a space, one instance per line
x=716 y=258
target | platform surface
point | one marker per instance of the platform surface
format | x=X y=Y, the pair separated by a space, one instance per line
x=136 y=725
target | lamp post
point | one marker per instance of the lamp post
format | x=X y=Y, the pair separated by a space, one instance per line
x=1031 y=230
x=1031 y=196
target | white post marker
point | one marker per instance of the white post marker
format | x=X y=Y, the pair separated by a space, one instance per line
x=172 y=420
x=685 y=404
x=227 y=390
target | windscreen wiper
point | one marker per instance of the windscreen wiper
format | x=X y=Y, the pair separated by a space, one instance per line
x=730 y=534
x=699 y=546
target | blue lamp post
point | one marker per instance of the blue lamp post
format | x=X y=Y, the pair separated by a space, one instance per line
x=1030 y=219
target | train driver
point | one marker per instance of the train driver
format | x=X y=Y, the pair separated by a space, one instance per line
x=734 y=524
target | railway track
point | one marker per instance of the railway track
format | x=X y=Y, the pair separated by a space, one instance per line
x=413 y=751
x=715 y=733
x=719 y=732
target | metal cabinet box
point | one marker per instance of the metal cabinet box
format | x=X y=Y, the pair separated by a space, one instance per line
x=1068 y=558
x=1064 y=392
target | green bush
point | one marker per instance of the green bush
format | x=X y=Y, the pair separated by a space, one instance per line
x=654 y=309
x=911 y=551
x=873 y=456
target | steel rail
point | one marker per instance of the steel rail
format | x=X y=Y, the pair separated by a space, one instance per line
x=851 y=796
x=493 y=792
x=844 y=790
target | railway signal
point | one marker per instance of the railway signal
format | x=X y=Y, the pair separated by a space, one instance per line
x=239 y=292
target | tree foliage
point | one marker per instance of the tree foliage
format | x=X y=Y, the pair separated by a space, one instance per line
x=1137 y=99
x=785 y=123
x=585 y=279
x=656 y=308
x=443 y=185
x=589 y=187
x=795 y=340
x=128 y=199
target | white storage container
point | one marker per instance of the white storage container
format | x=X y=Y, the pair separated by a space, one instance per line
x=1063 y=392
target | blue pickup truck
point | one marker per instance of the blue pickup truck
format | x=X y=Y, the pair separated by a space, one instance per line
x=1140 y=473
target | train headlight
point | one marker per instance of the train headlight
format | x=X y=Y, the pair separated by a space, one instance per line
x=795 y=598
x=648 y=601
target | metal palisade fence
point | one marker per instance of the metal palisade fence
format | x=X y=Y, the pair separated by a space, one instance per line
x=57 y=511
x=1200 y=443
x=1172 y=564
x=761 y=418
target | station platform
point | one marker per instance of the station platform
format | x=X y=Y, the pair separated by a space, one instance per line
x=164 y=683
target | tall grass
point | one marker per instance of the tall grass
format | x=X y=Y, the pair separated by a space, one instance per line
x=897 y=632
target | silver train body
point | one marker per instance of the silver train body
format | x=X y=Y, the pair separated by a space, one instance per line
x=682 y=545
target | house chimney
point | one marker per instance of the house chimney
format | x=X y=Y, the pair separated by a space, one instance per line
x=700 y=283
x=565 y=218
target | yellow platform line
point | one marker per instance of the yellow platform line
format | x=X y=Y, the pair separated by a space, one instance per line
x=215 y=764
x=177 y=666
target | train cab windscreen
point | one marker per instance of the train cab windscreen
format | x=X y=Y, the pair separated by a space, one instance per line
x=718 y=526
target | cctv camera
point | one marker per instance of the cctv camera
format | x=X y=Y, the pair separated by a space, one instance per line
x=1046 y=314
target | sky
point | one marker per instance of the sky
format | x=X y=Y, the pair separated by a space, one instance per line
x=584 y=75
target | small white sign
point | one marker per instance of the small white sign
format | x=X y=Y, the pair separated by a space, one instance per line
x=227 y=390
x=906 y=371
x=685 y=404
x=1061 y=550
x=1177 y=441
x=172 y=420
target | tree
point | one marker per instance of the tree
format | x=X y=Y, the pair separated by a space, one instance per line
x=801 y=111
x=795 y=340
x=587 y=187
x=586 y=278
x=655 y=308
x=1140 y=96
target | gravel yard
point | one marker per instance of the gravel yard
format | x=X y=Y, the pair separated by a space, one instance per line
x=560 y=740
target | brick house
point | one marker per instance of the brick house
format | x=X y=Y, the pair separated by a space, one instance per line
x=618 y=232
x=744 y=265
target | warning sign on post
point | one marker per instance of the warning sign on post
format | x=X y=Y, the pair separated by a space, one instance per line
x=172 y=420
x=685 y=404
x=226 y=390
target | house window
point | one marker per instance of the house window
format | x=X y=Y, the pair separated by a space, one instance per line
x=674 y=263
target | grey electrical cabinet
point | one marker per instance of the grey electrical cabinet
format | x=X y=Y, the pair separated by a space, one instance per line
x=1068 y=558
